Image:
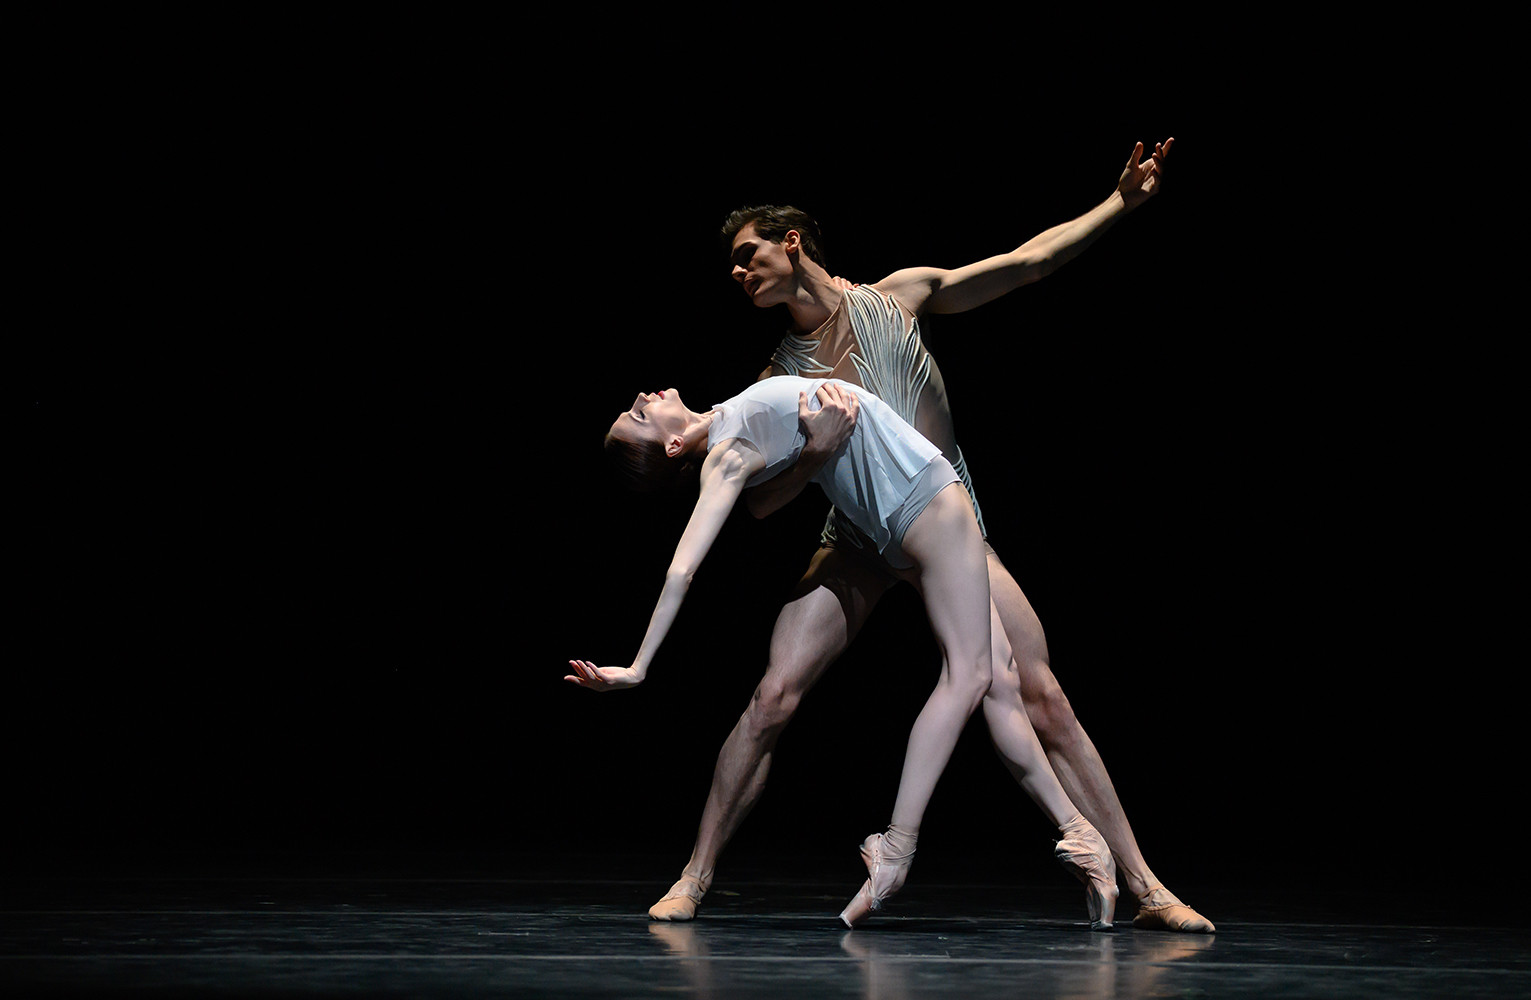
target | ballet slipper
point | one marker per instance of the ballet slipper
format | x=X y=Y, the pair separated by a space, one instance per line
x=1160 y=910
x=1083 y=852
x=888 y=857
x=681 y=901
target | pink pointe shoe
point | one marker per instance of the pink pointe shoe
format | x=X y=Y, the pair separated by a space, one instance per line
x=1083 y=852
x=885 y=876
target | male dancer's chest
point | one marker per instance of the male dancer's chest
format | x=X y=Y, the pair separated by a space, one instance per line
x=871 y=342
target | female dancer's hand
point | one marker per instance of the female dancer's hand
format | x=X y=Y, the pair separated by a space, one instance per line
x=588 y=675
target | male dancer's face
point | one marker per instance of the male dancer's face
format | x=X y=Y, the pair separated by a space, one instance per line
x=763 y=268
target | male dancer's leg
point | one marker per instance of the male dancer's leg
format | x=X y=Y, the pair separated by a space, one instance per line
x=1073 y=755
x=826 y=611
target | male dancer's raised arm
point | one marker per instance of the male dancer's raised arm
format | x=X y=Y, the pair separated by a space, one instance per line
x=938 y=290
x=955 y=290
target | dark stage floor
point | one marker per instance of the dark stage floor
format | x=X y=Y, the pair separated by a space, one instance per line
x=300 y=931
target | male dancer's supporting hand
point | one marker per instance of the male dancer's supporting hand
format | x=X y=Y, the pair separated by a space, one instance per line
x=830 y=426
x=826 y=430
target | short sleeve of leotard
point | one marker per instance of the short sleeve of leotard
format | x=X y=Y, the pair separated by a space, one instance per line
x=767 y=428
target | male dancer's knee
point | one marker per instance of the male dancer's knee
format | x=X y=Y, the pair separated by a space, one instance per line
x=1048 y=707
x=772 y=707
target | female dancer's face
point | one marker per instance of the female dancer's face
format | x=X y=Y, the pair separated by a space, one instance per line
x=654 y=416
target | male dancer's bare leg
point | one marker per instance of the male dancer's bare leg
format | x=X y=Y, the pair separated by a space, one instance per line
x=830 y=604
x=1081 y=849
x=1073 y=755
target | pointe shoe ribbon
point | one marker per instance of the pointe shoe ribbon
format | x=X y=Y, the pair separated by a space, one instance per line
x=1161 y=910
x=1083 y=852
x=681 y=901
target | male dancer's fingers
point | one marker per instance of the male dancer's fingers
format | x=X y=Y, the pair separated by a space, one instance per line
x=841 y=397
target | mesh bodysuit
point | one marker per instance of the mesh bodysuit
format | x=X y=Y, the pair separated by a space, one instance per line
x=872 y=341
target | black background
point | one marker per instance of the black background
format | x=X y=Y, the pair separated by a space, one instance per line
x=313 y=512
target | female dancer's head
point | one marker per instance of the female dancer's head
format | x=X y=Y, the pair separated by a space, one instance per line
x=657 y=442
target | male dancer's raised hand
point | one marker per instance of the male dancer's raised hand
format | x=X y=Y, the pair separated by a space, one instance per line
x=1141 y=179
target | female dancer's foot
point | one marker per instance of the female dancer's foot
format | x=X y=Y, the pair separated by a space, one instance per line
x=1083 y=852
x=1160 y=910
x=681 y=901
x=888 y=857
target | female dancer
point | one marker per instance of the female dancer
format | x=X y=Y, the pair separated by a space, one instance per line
x=894 y=485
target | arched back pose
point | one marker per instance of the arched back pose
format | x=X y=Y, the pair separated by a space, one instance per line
x=871 y=337
x=895 y=486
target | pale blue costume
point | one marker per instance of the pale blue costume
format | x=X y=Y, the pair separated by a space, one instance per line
x=881 y=478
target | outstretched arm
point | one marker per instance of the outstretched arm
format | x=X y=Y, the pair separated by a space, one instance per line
x=825 y=429
x=728 y=465
x=936 y=290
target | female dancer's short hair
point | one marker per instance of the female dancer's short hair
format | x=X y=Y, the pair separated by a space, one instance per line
x=643 y=466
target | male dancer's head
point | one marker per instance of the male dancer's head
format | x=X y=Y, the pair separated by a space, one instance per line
x=773 y=222
x=775 y=253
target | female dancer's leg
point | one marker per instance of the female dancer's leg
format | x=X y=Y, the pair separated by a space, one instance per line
x=951 y=572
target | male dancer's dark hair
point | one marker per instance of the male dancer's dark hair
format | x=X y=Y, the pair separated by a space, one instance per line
x=772 y=222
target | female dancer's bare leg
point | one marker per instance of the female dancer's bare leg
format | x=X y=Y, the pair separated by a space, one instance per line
x=952 y=576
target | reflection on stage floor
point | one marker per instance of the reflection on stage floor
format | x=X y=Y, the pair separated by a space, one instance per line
x=381 y=934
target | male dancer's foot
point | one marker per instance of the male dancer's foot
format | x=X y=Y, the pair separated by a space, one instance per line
x=681 y=901
x=1160 y=910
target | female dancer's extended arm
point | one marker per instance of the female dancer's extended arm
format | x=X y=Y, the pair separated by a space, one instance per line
x=724 y=473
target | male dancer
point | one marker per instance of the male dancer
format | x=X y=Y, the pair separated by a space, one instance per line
x=870 y=336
